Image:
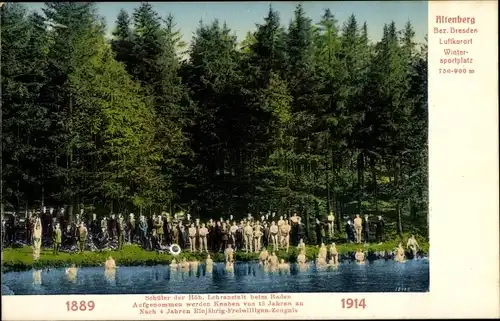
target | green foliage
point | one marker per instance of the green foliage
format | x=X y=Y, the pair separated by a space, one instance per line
x=133 y=255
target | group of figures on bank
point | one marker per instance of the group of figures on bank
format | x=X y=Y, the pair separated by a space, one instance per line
x=160 y=232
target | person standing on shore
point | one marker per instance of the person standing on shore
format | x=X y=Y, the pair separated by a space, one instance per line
x=29 y=229
x=56 y=239
x=112 y=227
x=82 y=237
x=159 y=228
x=167 y=230
x=121 y=233
x=131 y=228
x=192 y=238
x=379 y=229
x=37 y=238
x=358 y=228
x=294 y=225
x=412 y=245
x=94 y=226
x=203 y=232
x=331 y=224
x=143 y=232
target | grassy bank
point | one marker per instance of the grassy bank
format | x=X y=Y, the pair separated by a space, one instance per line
x=133 y=255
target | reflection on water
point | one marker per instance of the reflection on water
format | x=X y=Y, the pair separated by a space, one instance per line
x=377 y=276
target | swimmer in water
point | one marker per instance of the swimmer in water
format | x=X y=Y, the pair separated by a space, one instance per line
x=209 y=260
x=320 y=261
x=302 y=261
x=174 y=265
x=360 y=256
x=209 y=264
x=301 y=258
x=194 y=265
x=400 y=254
x=229 y=253
x=334 y=255
x=110 y=264
x=71 y=272
x=302 y=245
x=284 y=266
x=264 y=255
x=184 y=265
x=110 y=269
x=229 y=266
x=37 y=277
x=322 y=251
x=273 y=260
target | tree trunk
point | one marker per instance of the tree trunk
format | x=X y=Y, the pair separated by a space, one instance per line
x=338 y=214
x=70 y=212
x=397 y=180
x=399 y=226
x=360 y=167
x=328 y=209
x=374 y=182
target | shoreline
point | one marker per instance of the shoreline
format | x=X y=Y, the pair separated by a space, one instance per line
x=21 y=259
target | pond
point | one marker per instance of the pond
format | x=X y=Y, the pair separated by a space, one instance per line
x=375 y=276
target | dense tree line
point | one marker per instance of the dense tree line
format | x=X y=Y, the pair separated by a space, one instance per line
x=313 y=117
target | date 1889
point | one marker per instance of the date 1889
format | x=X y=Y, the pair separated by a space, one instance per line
x=353 y=303
x=80 y=306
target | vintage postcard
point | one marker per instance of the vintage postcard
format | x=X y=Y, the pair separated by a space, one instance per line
x=249 y=160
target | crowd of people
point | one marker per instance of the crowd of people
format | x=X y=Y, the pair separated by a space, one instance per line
x=51 y=228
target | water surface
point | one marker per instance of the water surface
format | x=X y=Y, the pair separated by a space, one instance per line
x=376 y=276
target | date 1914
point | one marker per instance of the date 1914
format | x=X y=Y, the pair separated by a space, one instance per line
x=353 y=303
x=80 y=306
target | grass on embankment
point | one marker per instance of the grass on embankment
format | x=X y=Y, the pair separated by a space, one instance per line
x=133 y=255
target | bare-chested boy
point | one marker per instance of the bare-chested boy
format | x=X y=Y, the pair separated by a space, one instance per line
x=302 y=245
x=248 y=234
x=184 y=265
x=202 y=233
x=257 y=235
x=358 y=228
x=174 y=265
x=273 y=260
x=264 y=255
x=322 y=251
x=283 y=266
x=285 y=235
x=400 y=254
x=192 y=237
x=320 y=261
x=232 y=233
x=331 y=224
x=360 y=256
x=334 y=255
x=301 y=258
x=229 y=253
x=71 y=272
x=273 y=230
x=209 y=264
x=110 y=264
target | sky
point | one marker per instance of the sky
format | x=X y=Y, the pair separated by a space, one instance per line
x=242 y=17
